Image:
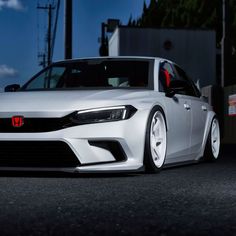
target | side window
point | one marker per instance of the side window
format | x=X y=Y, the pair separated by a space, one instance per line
x=166 y=75
x=189 y=89
x=39 y=82
x=47 y=79
x=55 y=76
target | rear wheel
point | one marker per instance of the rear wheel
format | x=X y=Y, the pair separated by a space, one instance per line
x=155 y=143
x=212 y=149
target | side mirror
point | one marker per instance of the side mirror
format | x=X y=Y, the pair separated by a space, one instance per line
x=174 y=87
x=12 y=88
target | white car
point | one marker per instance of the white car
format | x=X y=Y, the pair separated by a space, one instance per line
x=108 y=114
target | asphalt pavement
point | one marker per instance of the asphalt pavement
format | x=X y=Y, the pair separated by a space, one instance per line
x=197 y=199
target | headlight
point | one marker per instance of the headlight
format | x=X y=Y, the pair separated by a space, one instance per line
x=106 y=114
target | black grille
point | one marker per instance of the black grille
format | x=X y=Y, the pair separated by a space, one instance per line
x=32 y=125
x=113 y=146
x=36 y=154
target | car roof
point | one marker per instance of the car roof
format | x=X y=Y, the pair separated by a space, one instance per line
x=112 y=57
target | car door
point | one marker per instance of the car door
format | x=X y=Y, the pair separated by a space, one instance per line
x=198 y=114
x=178 y=114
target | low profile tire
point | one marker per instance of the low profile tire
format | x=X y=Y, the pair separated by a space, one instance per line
x=155 y=143
x=212 y=148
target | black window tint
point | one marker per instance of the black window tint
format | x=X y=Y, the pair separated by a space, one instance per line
x=93 y=74
x=197 y=91
x=189 y=89
x=162 y=81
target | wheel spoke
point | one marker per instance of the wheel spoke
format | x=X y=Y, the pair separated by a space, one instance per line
x=153 y=144
x=155 y=128
x=159 y=140
x=156 y=124
x=152 y=129
x=213 y=127
x=215 y=133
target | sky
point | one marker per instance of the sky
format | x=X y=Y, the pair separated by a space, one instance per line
x=23 y=27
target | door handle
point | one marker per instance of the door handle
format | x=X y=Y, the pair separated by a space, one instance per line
x=204 y=108
x=186 y=106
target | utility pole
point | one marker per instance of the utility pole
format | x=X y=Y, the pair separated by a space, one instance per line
x=68 y=29
x=49 y=60
x=49 y=8
x=225 y=44
x=103 y=51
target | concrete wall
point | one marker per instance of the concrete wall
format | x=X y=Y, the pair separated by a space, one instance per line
x=229 y=121
x=114 y=44
x=193 y=50
x=219 y=99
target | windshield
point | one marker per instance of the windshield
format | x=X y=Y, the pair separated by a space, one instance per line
x=93 y=73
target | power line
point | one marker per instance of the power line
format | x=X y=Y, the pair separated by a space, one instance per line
x=49 y=9
x=55 y=25
x=45 y=57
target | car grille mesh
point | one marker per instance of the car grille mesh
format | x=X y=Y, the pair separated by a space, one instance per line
x=36 y=154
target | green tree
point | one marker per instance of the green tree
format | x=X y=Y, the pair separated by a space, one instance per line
x=202 y=14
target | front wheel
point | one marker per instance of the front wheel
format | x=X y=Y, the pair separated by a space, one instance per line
x=156 y=141
x=212 y=149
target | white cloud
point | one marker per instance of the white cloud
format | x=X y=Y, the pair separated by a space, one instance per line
x=11 y=4
x=6 y=71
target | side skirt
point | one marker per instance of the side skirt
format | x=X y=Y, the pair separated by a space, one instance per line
x=183 y=163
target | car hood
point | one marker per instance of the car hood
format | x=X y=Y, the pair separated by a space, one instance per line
x=44 y=103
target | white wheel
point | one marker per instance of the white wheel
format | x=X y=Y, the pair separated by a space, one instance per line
x=155 y=146
x=215 y=138
x=212 y=149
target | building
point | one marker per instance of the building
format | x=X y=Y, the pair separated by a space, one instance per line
x=193 y=50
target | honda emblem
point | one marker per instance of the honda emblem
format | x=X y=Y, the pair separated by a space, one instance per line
x=17 y=121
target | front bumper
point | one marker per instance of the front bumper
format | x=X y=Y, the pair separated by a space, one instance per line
x=129 y=134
